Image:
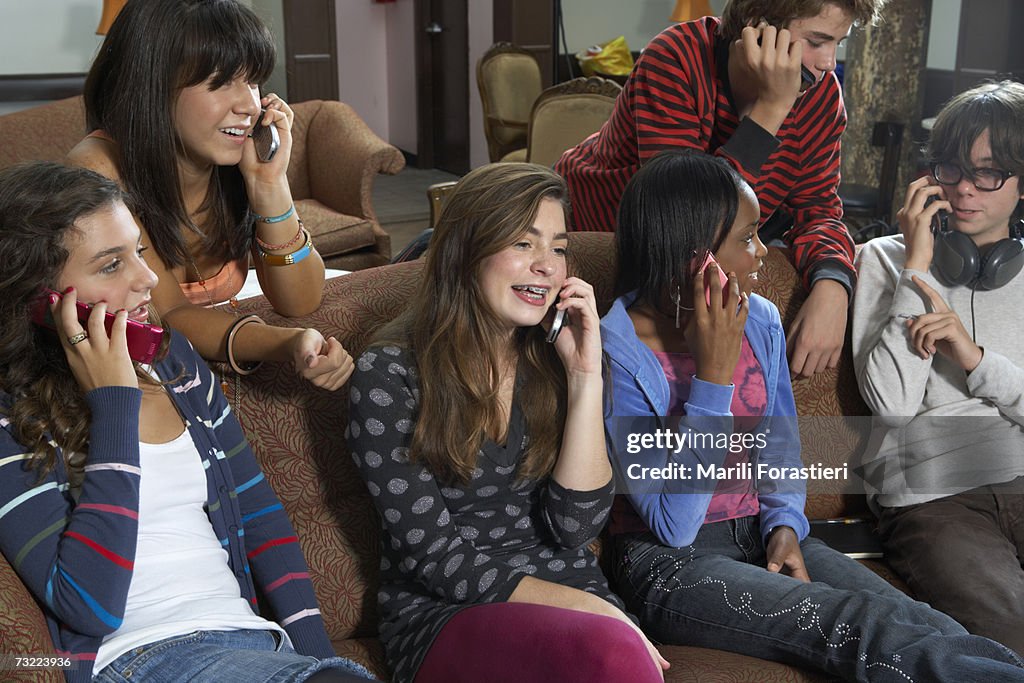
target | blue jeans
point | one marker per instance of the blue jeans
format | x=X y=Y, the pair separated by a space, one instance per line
x=848 y=621
x=242 y=656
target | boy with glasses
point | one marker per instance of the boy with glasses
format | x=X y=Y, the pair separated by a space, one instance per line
x=937 y=349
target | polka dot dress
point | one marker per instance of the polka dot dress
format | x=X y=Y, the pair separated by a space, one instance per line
x=447 y=548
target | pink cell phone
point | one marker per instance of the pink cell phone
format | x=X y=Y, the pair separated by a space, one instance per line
x=143 y=339
x=722 y=279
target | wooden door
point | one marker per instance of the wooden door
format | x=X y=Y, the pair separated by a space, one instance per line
x=530 y=24
x=311 y=52
x=442 y=84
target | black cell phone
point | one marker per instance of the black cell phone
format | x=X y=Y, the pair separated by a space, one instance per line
x=807 y=79
x=561 y=320
x=940 y=221
x=266 y=139
x=143 y=338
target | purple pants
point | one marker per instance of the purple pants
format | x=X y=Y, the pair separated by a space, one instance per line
x=514 y=641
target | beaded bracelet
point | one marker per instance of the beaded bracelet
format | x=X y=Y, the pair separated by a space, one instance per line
x=276 y=219
x=277 y=247
x=248 y=368
x=292 y=258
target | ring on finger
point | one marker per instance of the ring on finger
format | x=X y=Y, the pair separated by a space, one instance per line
x=78 y=338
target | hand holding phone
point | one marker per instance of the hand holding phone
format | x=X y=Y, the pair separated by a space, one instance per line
x=723 y=280
x=561 y=320
x=143 y=339
x=266 y=139
x=940 y=221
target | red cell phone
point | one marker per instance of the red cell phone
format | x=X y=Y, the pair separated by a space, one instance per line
x=722 y=279
x=143 y=339
x=266 y=139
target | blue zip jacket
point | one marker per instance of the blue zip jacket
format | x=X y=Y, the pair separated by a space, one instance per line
x=636 y=403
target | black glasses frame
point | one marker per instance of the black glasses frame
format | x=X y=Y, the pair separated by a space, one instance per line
x=973 y=175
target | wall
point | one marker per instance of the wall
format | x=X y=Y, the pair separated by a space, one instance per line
x=597 y=21
x=362 y=31
x=942 y=34
x=48 y=36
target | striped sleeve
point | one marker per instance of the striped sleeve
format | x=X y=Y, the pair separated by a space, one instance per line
x=821 y=245
x=77 y=559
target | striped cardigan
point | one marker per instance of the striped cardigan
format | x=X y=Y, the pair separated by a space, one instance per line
x=678 y=97
x=77 y=558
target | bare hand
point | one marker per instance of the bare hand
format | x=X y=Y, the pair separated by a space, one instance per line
x=771 y=61
x=942 y=331
x=785 y=556
x=815 y=338
x=579 y=344
x=95 y=359
x=915 y=219
x=715 y=331
x=324 y=362
x=602 y=606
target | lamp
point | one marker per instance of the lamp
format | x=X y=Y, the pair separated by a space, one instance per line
x=110 y=10
x=688 y=10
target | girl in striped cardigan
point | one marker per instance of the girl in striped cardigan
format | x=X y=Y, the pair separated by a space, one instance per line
x=130 y=503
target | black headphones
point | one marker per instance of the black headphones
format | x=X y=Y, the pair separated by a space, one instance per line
x=960 y=263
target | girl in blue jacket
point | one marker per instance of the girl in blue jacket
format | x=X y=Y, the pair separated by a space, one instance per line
x=710 y=539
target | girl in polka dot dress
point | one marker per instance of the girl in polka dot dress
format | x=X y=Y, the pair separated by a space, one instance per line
x=481 y=448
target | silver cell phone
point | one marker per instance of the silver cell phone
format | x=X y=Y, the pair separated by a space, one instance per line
x=266 y=139
x=561 y=320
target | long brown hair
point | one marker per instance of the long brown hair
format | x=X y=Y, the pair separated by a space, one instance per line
x=455 y=336
x=39 y=204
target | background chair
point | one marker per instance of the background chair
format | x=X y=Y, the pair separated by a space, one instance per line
x=873 y=204
x=509 y=81
x=566 y=114
x=335 y=159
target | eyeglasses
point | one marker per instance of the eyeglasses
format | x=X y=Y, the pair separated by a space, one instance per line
x=984 y=179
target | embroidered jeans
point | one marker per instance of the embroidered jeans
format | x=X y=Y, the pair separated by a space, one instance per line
x=848 y=621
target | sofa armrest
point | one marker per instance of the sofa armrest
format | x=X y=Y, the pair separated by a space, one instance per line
x=22 y=628
x=343 y=156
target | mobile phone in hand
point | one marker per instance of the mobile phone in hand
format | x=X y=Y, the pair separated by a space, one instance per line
x=265 y=138
x=143 y=338
x=561 y=320
x=807 y=79
x=940 y=221
x=723 y=280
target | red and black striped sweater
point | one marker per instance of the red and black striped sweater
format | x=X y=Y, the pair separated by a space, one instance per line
x=678 y=96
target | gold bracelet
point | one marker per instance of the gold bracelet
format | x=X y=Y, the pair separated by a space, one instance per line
x=248 y=368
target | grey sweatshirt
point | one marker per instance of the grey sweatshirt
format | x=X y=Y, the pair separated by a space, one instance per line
x=938 y=430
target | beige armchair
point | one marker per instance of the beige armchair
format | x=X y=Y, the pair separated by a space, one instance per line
x=509 y=81
x=566 y=114
x=335 y=158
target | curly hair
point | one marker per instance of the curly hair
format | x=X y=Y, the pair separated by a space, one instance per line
x=39 y=205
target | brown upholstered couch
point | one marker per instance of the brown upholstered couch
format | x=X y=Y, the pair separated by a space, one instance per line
x=298 y=435
x=335 y=158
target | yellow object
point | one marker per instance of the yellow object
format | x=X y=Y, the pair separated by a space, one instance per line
x=611 y=58
x=111 y=8
x=688 y=10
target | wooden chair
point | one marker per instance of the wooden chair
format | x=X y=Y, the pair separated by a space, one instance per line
x=509 y=81
x=566 y=114
x=872 y=204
